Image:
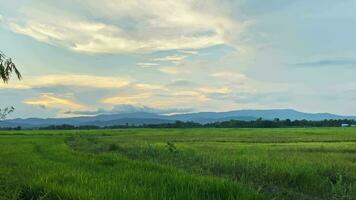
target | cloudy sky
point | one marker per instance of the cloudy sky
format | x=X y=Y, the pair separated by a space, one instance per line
x=84 y=57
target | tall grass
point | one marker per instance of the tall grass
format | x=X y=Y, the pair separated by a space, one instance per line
x=179 y=164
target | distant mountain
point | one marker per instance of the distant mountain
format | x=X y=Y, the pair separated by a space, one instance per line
x=139 y=118
x=128 y=121
x=265 y=114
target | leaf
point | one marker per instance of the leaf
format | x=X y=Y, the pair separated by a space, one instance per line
x=7 y=67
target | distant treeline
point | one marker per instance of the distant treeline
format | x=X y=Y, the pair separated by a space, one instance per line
x=259 y=123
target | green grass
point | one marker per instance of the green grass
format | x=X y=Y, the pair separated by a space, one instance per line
x=179 y=164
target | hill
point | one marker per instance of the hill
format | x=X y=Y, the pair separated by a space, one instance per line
x=139 y=118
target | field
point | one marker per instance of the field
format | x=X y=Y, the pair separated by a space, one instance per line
x=179 y=164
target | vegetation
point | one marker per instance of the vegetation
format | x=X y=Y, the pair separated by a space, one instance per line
x=259 y=123
x=4 y=112
x=7 y=67
x=197 y=163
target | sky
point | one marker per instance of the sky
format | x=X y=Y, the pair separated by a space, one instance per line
x=88 y=57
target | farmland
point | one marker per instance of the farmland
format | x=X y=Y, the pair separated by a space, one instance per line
x=314 y=163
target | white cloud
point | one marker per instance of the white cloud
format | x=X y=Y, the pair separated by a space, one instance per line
x=160 y=100
x=145 y=86
x=52 y=101
x=229 y=76
x=129 y=27
x=174 y=58
x=174 y=70
x=147 y=64
x=220 y=90
x=162 y=96
x=68 y=80
x=188 y=52
x=127 y=108
x=128 y=99
x=82 y=80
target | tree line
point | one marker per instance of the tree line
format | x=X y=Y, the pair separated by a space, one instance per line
x=259 y=123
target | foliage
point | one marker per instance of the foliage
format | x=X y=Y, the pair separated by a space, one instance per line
x=4 y=112
x=7 y=67
x=171 y=147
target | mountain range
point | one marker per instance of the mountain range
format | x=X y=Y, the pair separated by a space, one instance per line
x=138 y=118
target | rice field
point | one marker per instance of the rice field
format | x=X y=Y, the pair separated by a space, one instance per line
x=315 y=163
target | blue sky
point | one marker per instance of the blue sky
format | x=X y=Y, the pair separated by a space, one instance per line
x=89 y=57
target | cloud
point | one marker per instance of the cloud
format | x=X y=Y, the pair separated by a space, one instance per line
x=174 y=58
x=174 y=70
x=127 y=108
x=220 y=90
x=147 y=64
x=188 y=52
x=128 y=99
x=52 y=101
x=229 y=76
x=69 y=80
x=169 y=70
x=128 y=27
x=146 y=87
x=181 y=84
x=176 y=95
x=328 y=63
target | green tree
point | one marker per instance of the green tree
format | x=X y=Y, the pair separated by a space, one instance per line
x=4 y=112
x=7 y=68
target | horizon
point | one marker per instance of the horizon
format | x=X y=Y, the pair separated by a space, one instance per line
x=158 y=113
x=90 y=58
